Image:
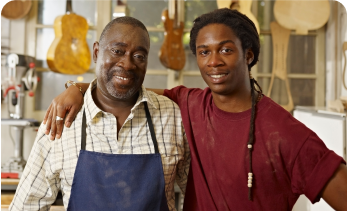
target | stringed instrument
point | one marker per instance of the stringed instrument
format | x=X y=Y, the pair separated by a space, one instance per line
x=280 y=40
x=16 y=9
x=302 y=16
x=243 y=6
x=69 y=53
x=172 y=54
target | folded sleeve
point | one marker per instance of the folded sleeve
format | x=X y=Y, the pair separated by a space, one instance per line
x=315 y=164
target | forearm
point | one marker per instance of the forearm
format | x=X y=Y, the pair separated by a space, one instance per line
x=335 y=191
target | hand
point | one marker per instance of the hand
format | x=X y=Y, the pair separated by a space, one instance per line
x=68 y=102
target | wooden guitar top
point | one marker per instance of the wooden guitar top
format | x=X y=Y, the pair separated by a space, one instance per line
x=302 y=15
x=69 y=53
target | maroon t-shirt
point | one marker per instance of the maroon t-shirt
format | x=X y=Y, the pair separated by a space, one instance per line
x=288 y=158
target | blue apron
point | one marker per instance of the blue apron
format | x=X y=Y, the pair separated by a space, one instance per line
x=122 y=182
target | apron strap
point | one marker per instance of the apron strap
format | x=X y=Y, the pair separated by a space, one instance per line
x=150 y=124
x=83 y=141
x=151 y=128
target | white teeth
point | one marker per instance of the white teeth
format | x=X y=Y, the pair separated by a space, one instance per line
x=125 y=79
x=218 y=76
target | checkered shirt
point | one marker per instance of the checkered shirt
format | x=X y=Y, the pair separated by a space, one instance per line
x=51 y=164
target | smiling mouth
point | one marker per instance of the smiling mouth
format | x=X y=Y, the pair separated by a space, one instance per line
x=218 y=76
x=124 y=79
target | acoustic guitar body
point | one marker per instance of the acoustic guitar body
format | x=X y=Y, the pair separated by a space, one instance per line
x=16 y=9
x=69 y=53
x=172 y=53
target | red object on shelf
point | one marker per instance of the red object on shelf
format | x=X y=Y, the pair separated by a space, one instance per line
x=9 y=175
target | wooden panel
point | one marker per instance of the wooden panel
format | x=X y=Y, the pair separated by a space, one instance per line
x=6 y=198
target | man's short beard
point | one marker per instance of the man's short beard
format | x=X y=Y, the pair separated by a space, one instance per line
x=107 y=79
x=120 y=95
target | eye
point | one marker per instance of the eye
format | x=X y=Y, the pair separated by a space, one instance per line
x=203 y=52
x=116 y=51
x=140 y=57
x=226 y=50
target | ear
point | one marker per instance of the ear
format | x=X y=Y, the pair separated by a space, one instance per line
x=249 y=56
x=95 y=51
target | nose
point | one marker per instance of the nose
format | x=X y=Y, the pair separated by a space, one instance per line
x=215 y=60
x=126 y=62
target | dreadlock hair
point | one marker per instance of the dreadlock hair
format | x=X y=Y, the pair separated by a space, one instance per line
x=123 y=20
x=245 y=30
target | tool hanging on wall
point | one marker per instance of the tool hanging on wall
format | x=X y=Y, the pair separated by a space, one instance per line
x=280 y=40
x=302 y=16
x=69 y=53
x=172 y=54
x=243 y=6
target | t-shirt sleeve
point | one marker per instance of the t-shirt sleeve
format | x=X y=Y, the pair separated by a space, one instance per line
x=315 y=164
x=177 y=94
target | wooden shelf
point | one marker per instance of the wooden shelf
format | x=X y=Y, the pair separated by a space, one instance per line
x=5 y=181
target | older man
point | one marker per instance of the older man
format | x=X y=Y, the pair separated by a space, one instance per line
x=114 y=156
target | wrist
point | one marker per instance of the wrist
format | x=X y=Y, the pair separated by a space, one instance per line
x=74 y=84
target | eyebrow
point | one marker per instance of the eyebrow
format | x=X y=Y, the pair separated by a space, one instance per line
x=221 y=43
x=140 y=48
x=122 y=44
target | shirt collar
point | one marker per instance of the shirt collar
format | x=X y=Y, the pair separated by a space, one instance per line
x=92 y=110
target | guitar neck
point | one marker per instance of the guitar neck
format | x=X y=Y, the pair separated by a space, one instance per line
x=69 y=6
x=174 y=13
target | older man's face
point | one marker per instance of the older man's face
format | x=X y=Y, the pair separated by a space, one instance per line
x=121 y=61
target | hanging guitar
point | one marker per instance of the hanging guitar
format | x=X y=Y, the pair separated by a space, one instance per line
x=172 y=53
x=243 y=6
x=16 y=9
x=302 y=16
x=280 y=40
x=69 y=53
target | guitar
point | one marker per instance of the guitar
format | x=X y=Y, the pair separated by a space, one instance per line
x=172 y=53
x=69 y=53
x=16 y=9
x=280 y=40
x=243 y=6
x=302 y=16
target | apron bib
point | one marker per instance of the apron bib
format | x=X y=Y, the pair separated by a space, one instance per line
x=124 y=182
